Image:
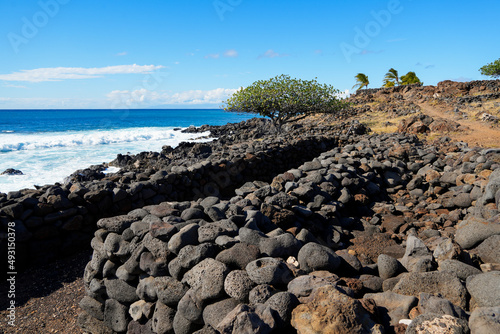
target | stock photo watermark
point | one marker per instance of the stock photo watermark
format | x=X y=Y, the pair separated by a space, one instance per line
x=223 y=6
x=150 y=83
x=364 y=36
x=11 y=273
x=126 y=101
x=31 y=26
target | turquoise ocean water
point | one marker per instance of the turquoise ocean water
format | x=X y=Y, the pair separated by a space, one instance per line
x=48 y=145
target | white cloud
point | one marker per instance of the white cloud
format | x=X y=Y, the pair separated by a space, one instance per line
x=232 y=53
x=191 y=54
x=212 y=56
x=144 y=97
x=64 y=73
x=462 y=79
x=271 y=54
x=426 y=65
x=367 y=52
x=49 y=103
x=345 y=94
x=140 y=98
x=13 y=86
x=124 y=53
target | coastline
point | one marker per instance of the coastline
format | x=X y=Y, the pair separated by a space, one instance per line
x=63 y=215
x=325 y=181
x=47 y=146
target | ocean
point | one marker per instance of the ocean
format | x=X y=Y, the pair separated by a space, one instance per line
x=49 y=145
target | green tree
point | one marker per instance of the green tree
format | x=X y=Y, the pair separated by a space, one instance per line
x=285 y=100
x=492 y=69
x=389 y=83
x=391 y=77
x=410 y=78
x=361 y=81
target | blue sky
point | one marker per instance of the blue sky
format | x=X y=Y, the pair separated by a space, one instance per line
x=194 y=53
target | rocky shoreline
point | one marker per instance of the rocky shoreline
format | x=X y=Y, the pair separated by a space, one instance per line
x=60 y=219
x=325 y=228
x=381 y=229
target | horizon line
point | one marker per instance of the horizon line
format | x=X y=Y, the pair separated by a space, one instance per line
x=110 y=109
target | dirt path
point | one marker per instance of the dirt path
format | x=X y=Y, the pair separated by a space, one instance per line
x=480 y=134
x=47 y=298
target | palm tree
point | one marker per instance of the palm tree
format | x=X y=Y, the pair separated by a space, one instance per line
x=391 y=76
x=361 y=81
x=388 y=84
x=410 y=78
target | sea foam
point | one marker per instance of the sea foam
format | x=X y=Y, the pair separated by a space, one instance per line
x=17 y=142
x=47 y=158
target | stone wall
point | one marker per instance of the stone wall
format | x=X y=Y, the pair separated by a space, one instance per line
x=60 y=219
x=386 y=90
x=368 y=91
x=283 y=255
x=444 y=90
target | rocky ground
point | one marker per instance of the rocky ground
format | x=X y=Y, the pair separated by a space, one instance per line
x=467 y=112
x=47 y=297
x=385 y=230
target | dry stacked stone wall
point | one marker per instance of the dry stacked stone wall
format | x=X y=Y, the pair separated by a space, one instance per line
x=60 y=219
x=377 y=230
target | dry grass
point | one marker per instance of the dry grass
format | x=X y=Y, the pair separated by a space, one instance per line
x=482 y=134
x=381 y=122
x=474 y=110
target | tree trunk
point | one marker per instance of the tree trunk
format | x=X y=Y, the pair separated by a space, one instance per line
x=276 y=124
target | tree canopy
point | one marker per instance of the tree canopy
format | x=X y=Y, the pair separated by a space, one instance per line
x=284 y=99
x=391 y=78
x=388 y=84
x=410 y=78
x=492 y=69
x=361 y=81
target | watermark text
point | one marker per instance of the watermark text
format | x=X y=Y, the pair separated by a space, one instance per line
x=223 y=6
x=31 y=26
x=11 y=273
x=363 y=36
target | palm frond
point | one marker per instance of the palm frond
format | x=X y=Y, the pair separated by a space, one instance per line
x=361 y=81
